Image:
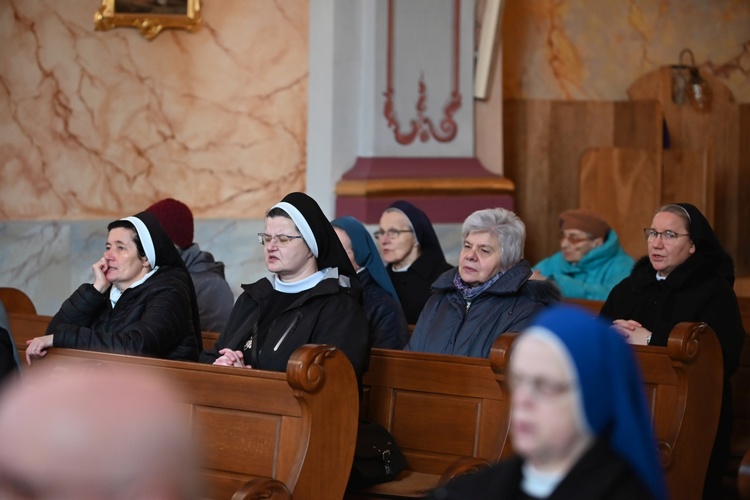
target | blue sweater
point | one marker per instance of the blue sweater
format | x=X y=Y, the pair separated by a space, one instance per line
x=594 y=276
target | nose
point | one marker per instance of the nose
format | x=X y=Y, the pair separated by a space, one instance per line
x=108 y=255
x=657 y=242
x=470 y=254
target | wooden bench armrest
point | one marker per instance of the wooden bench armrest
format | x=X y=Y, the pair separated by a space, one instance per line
x=462 y=466
x=263 y=488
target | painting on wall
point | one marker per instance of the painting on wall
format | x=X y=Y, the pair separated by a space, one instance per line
x=149 y=16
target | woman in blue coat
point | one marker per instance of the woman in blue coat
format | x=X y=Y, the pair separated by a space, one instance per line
x=590 y=261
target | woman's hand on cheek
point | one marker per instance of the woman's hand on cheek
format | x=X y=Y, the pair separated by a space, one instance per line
x=100 y=267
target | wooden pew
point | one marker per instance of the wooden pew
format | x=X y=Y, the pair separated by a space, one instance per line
x=15 y=300
x=441 y=407
x=260 y=429
x=438 y=408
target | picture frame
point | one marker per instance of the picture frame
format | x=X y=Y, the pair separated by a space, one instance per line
x=150 y=17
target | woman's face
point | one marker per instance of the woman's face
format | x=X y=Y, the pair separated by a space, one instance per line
x=665 y=255
x=401 y=249
x=290 y=261
x=545 y=408
x=480 y=258
x=575 y=244
x=124 y=266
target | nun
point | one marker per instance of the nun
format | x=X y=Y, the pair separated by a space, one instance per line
x=388 y=327
x=311 y=297
x=412 y=253
x=142 y=301
x=579 y=424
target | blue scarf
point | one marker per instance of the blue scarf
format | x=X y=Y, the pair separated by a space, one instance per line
x=469 y=293
x=366 y=252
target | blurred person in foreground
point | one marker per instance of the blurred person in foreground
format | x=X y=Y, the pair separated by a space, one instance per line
x=388 y=327
x=92 y=432
x=579 y=423
x=215 y=298
x=590 y=261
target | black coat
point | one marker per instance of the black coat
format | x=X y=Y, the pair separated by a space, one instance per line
x=153 y=319
x=697 y=290
x=599 y=474
x=388 y=327
x=413 y=285
x=324 y=314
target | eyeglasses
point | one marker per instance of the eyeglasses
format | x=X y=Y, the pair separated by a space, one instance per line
x=574 y=239
x=667 y=236
x=391 y=233
x=539 y=388
x=280 y=239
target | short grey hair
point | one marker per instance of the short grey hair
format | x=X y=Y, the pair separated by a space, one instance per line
x=503 y=224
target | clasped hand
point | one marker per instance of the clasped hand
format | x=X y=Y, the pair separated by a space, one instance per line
x=632 y=330
x=231 y=358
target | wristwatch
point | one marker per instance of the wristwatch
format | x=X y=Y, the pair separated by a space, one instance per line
x=648 y=340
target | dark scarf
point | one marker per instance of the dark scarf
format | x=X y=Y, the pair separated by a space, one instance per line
x=469 y=293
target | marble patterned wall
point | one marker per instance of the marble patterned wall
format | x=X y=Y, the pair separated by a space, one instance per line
x=595 y=49
x=100 y=124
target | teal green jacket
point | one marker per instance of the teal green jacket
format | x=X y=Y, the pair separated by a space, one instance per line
x=594 y=276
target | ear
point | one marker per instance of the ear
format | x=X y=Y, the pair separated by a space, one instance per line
x=145 y=263
x=692 y=247
x=598 y=242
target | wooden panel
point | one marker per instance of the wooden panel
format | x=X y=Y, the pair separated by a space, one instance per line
x=624 y=186
x=543 y=145
x=245 y=442
x=688 y=177
x=436 y=431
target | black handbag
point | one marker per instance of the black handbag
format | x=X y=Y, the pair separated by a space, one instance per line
x=377 y=457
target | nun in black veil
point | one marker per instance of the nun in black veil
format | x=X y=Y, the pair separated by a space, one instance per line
x=686 y=276
x=142 y=301
x=311 y=297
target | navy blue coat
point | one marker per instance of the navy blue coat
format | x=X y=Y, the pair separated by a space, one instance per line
x=448 y=326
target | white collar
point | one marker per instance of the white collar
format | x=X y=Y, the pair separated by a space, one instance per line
x=115 y=293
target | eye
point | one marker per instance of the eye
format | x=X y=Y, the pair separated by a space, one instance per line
x=282 y=238
x=485 y=251
x=670 y=235
x=467 y=246
x=653 y=233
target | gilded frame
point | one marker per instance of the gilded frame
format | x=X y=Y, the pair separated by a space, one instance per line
x=148 y=16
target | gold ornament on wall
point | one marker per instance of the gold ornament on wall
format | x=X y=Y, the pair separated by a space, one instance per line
x=148 y=16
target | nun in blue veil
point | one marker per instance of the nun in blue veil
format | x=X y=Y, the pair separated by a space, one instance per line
x=388 y=327
x=579 y=424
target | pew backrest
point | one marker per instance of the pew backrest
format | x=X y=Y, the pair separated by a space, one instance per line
x=16 y=301
x=294 y=427
x=438 y=408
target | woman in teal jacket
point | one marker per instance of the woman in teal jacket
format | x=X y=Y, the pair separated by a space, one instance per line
x=591 y=261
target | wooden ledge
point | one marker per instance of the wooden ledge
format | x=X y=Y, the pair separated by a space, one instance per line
x=433 y=186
